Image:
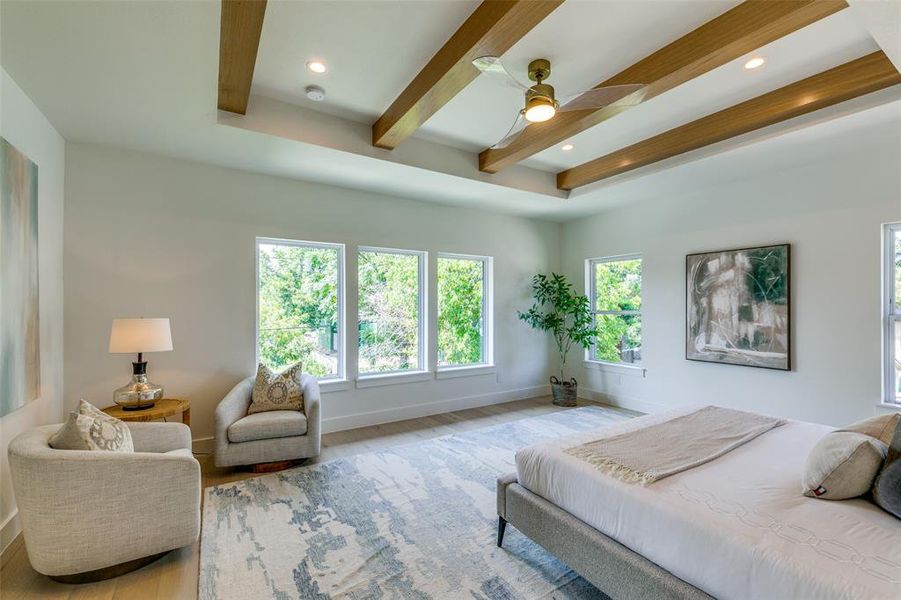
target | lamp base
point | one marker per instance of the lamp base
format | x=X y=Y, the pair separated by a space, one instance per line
x=139 y=393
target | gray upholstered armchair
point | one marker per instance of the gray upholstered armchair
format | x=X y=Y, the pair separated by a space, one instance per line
x=83 y=511
x=266 y=437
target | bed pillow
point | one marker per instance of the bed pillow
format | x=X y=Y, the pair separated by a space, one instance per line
x=881 y=427
x=89 y=428
x=887 y=489
x=843 y=465
x=276 y=391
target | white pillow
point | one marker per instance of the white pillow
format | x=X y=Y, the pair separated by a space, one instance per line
x=843 y=465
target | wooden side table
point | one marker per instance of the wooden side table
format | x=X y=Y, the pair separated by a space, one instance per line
x=166 y=407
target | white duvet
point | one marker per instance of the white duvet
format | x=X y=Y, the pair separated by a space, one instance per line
x=737 y=527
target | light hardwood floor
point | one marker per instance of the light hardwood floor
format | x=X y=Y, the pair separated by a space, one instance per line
x=175 y=575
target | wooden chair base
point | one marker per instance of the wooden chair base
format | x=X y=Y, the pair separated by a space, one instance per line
x=108 y=572
x=272 y=467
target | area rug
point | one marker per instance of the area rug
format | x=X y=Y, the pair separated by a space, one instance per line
x=413 y=521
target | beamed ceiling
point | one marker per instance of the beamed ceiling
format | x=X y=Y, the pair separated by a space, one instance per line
x=406 y=113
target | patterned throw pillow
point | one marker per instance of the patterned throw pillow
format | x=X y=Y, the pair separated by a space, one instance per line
x=276 y=391
x=92 y=429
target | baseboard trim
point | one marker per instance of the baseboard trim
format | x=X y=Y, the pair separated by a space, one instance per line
x=425 y=409
x=9 y=525
x=620 y=400
x=204 y=445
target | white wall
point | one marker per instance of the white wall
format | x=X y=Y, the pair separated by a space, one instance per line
x=23 y=126
x=831 y=213
x=154 y=236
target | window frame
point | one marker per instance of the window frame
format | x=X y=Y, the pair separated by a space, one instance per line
x=891 y=314
x=341 y=375
x=422 y=325
x=591 y=292
x=487 y=316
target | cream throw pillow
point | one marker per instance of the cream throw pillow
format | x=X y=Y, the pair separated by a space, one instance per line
x=89 y=428
x=881 y=427
x=843 y=465
x=276 y=391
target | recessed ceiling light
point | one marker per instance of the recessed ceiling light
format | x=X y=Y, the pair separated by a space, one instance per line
x=317 y=66
x=567 y=147
x=755 y=62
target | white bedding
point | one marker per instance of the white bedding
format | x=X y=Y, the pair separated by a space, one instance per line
x=737 y=527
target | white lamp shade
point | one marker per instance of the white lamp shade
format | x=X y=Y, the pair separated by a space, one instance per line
x=130 y=336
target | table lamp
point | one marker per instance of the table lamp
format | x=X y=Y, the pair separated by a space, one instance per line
x=137 y=336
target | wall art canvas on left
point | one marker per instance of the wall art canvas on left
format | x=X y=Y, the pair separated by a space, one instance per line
x=20 y=356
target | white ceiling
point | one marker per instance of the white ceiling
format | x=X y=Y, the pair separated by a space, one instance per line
x=100 y=73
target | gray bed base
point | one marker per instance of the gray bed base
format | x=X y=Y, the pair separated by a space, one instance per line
x=607 y=564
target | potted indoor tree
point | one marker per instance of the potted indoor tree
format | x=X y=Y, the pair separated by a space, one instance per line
x=557 y=308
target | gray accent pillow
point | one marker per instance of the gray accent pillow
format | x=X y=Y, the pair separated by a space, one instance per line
x=887 y=489
x=276 y=391
x=90 y=428
x=843 y=465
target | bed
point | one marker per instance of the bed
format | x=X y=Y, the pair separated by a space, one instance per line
x=737 y=527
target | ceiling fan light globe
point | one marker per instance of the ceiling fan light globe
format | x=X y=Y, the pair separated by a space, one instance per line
x=539 y=110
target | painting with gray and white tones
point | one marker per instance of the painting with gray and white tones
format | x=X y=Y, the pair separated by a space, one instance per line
x=738 y=307
x=414 y=521
x=20 y=368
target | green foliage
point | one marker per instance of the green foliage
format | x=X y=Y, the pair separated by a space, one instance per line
x=617 y=288
x=767 y=277
x=558 y=309
x=460 y=289
x=298 y=297
x=388 y=311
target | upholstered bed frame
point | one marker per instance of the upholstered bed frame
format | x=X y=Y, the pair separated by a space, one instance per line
x=607 y=564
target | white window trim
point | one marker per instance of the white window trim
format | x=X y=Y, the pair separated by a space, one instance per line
x=331 y=381
x=590 y=290
x=396 y=376
x=392 y=378
x=487 y=320
x=473 y=370
x=891 y=315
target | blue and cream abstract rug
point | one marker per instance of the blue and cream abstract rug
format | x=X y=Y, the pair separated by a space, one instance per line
x=413 y=521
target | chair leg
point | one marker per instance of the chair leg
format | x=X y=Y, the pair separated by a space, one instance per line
x=272 y=467
x=501 y=526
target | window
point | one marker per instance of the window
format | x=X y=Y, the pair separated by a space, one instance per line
x=300 y=306
x=615 y=294
x=391 y=302
x=892 y=313
x=463 y=315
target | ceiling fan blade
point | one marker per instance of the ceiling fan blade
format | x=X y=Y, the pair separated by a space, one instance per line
x=518 y=126
x=492 y=65
x=630 y=95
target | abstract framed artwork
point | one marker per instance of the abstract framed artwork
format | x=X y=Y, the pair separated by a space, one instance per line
x=738 y=307
x=20 y=368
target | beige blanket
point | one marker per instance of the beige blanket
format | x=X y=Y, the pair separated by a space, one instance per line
x=657 y=451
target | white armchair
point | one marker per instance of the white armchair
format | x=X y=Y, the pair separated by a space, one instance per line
x=90 y=514
x=267 y=437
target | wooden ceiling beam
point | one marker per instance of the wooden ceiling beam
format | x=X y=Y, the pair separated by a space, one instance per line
x=240 y=27
x=491 y=29
x=730 y=36
x=864 y=75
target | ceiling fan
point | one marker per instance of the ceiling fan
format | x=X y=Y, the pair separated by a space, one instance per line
x=540 y=103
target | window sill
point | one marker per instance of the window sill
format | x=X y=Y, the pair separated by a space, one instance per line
x=615 y=368
x=889 y=406
x=334 y=385
x=464 y=371
x=378 y=379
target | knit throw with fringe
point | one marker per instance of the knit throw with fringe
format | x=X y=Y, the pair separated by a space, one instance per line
x=681 y=443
